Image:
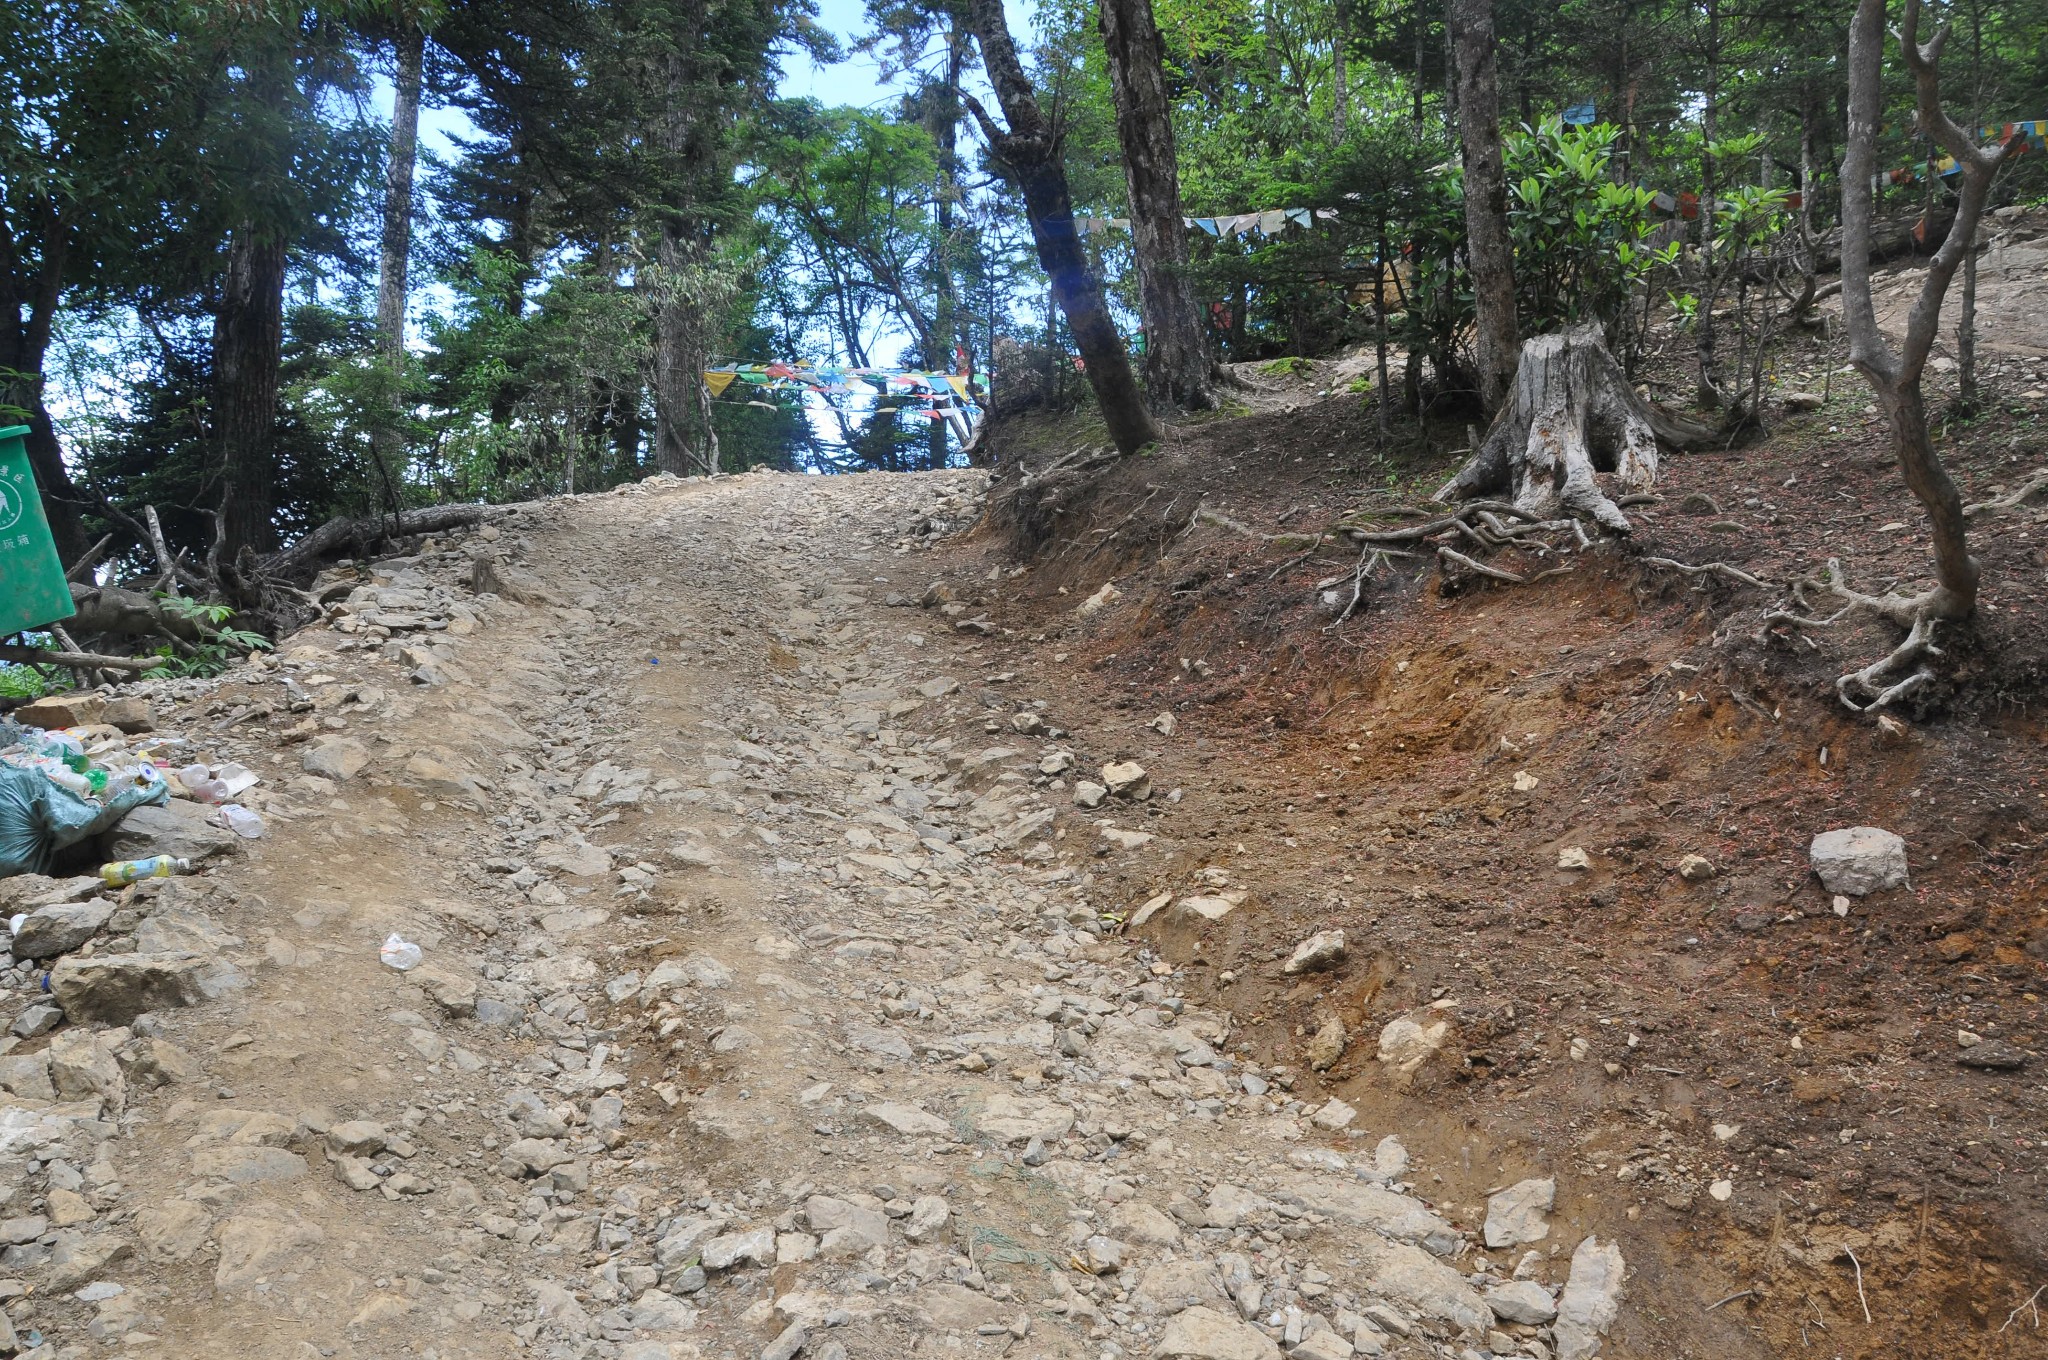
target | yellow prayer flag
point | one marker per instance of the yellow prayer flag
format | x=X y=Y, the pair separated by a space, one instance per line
x=718 y=381
x=959 y=384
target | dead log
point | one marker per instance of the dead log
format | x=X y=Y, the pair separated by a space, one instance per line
x=109 y=609
x=1572 y=414
x=38 y=656
x=360 y=534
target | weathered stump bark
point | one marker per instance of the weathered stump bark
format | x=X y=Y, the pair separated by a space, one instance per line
x=1572 y=414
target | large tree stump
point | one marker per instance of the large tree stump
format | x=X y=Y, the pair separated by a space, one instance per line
x=1572 y=415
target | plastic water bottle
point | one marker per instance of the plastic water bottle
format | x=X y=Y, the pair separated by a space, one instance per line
x=203 y=787
x=244 y=822
x=121 y=873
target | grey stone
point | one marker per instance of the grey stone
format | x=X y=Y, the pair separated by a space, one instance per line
x=37 y=1019
x=178 y=828
x=1201 y=1333
x=1523 y=1301
x=1591 y=1299
x=1318 y=951
x=1520 y=1213
x=785 y=1346
x=50 y=931
x=334 y=758
x=928 y=1218
x=1858 y=860
x=1127 y=779
x=845 y=1228
x=1383 y=1211
x=114 y=989
x=729 y=1249
x=27 y=1075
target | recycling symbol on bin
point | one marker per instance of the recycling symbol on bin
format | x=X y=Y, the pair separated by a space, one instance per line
x=11 y=504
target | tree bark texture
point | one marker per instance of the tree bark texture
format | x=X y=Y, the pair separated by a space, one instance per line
x=1487 y=246
x=1572 y=415
x=943 y=121
x=248 y=337
x=1176 y=360
x=28 y=310
x=685 y=440
x=1895 y=376
x=1028 y=154
x=248 y=330
x=387 y=439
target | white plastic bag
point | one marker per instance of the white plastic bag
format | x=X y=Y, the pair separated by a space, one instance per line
x=400 y=953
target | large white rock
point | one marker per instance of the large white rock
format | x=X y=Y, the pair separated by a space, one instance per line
x=1320 y=950
x=1857 y=860
x=1520 y=1213
x=1591 y=1299
x=1205 y=1334
x=1406 y=1044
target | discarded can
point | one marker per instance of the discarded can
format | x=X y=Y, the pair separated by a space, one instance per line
x=121 y=873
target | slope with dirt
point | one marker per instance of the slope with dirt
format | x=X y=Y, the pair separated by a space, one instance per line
x=769 y=1002
x=1811 y=1105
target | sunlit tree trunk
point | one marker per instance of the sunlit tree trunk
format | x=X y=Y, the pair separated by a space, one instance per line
x=1486 y=202
x=1028 y=155
x=387 y=437
x=1176 y=360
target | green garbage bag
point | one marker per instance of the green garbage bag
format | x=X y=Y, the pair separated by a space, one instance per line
x=37 y=818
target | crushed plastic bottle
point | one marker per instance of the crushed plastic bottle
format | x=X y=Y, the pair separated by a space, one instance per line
x=400 y=953
x=244 y=822
x=122 y=872
x=202 y=787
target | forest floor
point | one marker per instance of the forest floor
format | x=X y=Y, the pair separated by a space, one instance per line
x=779 y=997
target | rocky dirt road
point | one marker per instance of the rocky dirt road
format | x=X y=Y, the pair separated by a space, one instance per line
x=755 y=1017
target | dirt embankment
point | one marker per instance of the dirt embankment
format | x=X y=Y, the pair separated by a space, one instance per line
x=1763 y=1094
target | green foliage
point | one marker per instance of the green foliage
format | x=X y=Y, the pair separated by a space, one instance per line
x=1581 y=240
x=221 y=648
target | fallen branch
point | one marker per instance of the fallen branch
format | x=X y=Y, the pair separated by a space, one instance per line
x=82 y=568
x=1204 y=515
x=372 y=529
x=1742 y=1294
x=38 y=656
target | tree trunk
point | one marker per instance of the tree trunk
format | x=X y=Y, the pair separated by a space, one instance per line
x=1028 y=155
x=1966 y=334
x=1709 y=389
x=944 y=124
x=248 y=338
x=1573 y=415
x=677 y=370
x=1487 y=246
x=248 y=333
x=684 y=438
x=1895 y=378
x=387 y=437
x=28 y=310
x=1177 y=362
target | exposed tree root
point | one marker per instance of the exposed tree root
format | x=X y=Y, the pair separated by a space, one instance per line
x=1721 y=569
x=2010 y=499
x=1901 y=672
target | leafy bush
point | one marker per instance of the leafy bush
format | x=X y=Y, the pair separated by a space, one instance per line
x=1582 y=249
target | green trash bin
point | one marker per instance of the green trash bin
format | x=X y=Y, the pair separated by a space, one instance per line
x=33 y=591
